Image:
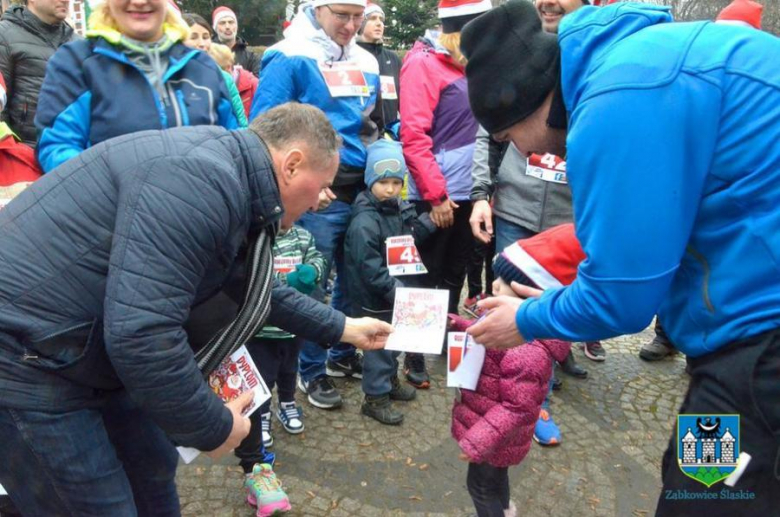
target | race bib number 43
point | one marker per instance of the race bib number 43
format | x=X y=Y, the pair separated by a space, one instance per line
x=344 y=80
x=547 y=167
x=403 y=257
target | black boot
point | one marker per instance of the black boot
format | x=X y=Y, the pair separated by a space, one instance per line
x=570 y=367
x=381 y=409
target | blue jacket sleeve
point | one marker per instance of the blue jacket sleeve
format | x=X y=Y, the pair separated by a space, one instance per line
x=163 y=243
x=64 y=108
x=637 y=161
x=277 y=83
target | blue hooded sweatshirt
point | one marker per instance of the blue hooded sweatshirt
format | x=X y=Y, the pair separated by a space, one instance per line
x=674 y=165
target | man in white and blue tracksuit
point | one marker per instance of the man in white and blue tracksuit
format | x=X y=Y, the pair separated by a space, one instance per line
x=319 y=63
x=671 y=132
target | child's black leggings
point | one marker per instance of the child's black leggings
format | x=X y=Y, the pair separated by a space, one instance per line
x=489 y=489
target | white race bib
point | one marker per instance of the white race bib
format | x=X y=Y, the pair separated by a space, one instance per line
x=389 y=90
x=403 y=257
x=547 y=168
x=344 y=79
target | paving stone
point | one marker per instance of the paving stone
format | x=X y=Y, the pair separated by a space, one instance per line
x=615 y=424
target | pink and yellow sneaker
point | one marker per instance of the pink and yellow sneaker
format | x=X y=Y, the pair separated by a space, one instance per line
x=264 y=491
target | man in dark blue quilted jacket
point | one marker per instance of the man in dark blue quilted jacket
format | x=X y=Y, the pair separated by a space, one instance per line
x=104 y=265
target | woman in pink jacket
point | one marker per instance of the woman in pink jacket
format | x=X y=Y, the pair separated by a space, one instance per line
x=438 y=132
x=494 y=423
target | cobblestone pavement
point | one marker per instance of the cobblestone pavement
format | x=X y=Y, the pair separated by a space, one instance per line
x=615 y=426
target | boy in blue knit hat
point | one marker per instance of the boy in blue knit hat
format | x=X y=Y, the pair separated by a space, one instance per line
x=379 y=213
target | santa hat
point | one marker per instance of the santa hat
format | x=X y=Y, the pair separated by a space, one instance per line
x=220 y=13
x=320 y=3
x=742 y=12
x=2 y=93
x=546 y=260
x=454 y=14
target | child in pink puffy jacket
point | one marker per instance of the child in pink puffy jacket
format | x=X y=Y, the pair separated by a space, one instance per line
x=494 y=423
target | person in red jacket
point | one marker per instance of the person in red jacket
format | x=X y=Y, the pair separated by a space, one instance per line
x=18 y=167
x=494 y=423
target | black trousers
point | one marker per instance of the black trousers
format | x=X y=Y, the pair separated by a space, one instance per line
x=277 y=361
x=446 y=254
x=742 y=378
x=488 y=487
x=481 y=259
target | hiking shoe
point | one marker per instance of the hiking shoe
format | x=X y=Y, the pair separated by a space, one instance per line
x=656 y=349
x=594 y=351
x=401 y=391
x=291 y=417
x=570 y=367
x=264 y=491
x=415 y=371
x=381 y=409
x=321 y=392
x=265 y=421
x=471 y=308
x=546 y=432
x=351 y=366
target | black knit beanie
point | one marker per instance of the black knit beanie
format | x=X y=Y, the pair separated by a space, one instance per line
x=512 y=64
x=504 y=269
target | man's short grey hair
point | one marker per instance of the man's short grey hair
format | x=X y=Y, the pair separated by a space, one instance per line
x=293 y=123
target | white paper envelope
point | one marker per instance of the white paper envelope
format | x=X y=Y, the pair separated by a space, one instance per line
x=464 y=361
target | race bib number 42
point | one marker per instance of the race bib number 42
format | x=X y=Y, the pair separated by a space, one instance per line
x=547 y=167
x=344 y=80
x=403 y=257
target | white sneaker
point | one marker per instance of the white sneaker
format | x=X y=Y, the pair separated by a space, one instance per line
x=291 y=417
x=268 y=439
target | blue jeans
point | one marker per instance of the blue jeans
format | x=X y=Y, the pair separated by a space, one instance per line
x=508 y=233
x=110 y=460
x=328 y=227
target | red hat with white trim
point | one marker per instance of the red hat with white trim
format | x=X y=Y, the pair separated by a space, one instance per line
x=546 y=260
x=742 y=12
x=454 y=14
x=320 y=3
x=220 y=13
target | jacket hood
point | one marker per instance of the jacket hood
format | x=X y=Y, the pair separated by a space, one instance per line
x=430 y=44
x=22 y=17
x=587 y=35
x=305 y=26
x=367 y=202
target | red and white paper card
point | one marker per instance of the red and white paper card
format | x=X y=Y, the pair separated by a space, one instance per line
x=344 y=79
x=286 y=264
x=464 y=361
x=403 y=257
x=419 y=320
x=547 y=167
x=237 y=374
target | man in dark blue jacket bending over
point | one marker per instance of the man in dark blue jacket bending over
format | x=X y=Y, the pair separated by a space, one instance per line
x=110 y=268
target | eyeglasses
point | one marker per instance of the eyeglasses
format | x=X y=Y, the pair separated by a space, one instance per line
x=345 y=18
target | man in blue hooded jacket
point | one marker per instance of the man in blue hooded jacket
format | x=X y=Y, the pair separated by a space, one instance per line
x=670 y=133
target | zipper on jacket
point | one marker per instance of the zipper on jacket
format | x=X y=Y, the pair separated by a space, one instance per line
x=175 y=103
x=705 y=287
x=64 y=331
x=185 y=116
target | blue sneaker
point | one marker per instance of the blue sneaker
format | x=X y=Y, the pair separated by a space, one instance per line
x=291 y=417
x=546 y=432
